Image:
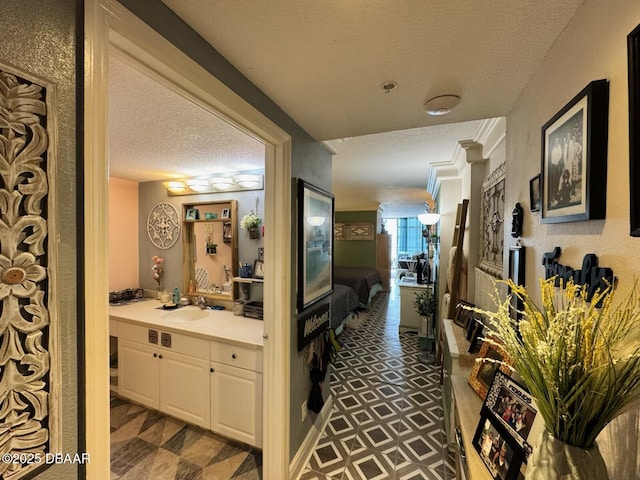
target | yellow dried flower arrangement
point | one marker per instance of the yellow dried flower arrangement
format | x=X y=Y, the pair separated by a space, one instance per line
x=580 y=362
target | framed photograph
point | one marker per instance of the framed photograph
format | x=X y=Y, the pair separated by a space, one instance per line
x=258 y=271
x=534 y=193
x=516 y=273
x=192 y=214
x=474 y=333
x=573 y=178
x=481 y=375
x=633 y=55
x=499 y=452
x=315 y=244
x=226 y=213
x=511 y=405
x=463 y=316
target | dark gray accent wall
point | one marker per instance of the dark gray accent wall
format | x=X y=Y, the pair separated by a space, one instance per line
x=310 y=160
x=40 y=38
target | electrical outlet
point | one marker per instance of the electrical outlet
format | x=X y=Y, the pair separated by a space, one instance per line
x=304 y=410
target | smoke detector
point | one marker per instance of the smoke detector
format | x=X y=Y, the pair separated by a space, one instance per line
x=442 y=104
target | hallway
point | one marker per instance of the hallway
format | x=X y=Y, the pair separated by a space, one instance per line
x=386 y=421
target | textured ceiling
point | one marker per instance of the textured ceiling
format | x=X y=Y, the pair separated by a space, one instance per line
x=155 y=134
x=324 y=64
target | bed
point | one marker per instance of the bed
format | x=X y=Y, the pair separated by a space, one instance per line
x=365 y=281
x=344 y=302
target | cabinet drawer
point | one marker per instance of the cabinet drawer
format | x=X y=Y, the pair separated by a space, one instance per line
x=241 y=357
x=177 y=342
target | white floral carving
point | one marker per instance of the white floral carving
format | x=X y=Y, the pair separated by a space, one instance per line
x=163 y=225
x=25 y=357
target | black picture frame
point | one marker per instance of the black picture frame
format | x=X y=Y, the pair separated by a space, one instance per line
x=489 y=440
x=573 y=173
x=633 y=55
x=534 y=193
x=463 y=315
x=315 y=243
x=226 y=213
x=517 y=265
x=512 y=406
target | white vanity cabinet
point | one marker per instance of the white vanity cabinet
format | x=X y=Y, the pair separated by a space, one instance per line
x=236 y=392
x=164 y=377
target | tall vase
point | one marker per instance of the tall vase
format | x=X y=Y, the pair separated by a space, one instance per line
x=554 y=459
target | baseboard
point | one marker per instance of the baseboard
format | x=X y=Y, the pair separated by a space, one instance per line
x=303 y=454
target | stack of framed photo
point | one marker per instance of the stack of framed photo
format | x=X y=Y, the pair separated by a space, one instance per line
x=509 y=421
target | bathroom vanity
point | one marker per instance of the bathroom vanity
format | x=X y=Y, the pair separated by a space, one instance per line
x=201 y=366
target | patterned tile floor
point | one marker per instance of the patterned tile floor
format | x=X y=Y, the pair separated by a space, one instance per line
x=386 y=421
x=146 y=444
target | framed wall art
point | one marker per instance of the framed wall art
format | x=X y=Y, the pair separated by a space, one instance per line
x=573 y=178
x=534 y=193
x=315 y=244
x=633 y=53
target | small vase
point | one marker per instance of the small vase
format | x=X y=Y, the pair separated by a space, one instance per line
x=254 y=233
x=553 y=458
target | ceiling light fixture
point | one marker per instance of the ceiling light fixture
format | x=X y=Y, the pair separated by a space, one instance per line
x=442 y=104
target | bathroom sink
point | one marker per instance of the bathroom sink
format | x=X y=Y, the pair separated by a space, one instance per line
x=185 y=315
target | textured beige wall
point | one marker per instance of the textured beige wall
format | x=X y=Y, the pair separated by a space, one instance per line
x=593 y=46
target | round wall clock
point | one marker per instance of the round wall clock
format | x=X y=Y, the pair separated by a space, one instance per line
x=163 y=225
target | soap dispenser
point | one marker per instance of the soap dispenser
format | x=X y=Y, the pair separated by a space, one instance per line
x=176 y=296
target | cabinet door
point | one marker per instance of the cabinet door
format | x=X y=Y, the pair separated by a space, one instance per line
x=184 y=391
x=138 y=373
x=236 y=403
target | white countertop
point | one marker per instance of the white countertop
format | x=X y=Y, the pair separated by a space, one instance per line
x=220 y=325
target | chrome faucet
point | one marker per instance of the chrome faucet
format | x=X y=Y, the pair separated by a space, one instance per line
x=202 y=302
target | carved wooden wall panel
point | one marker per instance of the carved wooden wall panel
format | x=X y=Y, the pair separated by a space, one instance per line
x=492 y=235
x=28 y=327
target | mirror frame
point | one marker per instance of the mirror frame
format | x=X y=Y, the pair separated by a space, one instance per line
x=188 y=246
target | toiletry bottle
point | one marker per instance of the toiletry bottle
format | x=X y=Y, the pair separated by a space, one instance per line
x=176 y=296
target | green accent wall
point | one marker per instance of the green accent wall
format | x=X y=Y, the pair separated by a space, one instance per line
x=355 y=253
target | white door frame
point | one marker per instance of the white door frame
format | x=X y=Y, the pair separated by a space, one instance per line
x=108 y=24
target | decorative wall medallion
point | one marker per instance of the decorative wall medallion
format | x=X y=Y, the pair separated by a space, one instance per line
x=492 y=234
x=163 y=225
x=29 y=400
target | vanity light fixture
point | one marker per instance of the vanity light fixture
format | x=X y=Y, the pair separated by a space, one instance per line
x=221 y=183
x=247 y=180
x=175 y=187
x=198 y=185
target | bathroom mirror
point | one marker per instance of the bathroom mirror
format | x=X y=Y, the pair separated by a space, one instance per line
x=210 y=249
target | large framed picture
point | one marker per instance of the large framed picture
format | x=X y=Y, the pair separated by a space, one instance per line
x=500 y=453
x=573 y=177
x=511 y=405
x=633 y=54
x=315 y=244
x=482 y=373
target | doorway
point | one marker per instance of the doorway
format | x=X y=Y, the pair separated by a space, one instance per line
x=109 y=25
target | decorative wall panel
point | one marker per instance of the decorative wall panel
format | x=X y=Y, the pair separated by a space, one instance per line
x=354 y=231
x=492 y=235
x=28 y=326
